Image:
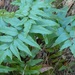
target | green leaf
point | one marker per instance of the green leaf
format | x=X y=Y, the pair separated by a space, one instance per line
x=39 y=29
x=28 y=26
x=66 y=44
x=34 y=17
x=39 y=12
x=28 y=40
x=60 y=31
x=49 y=23
x=2 y=23
x=38 y=4
x=73 y=23
x=73 y=40
x=72 y=47
x=68 y=28
x=22 y=46
x=63 y=68
x=4 y=46
x=2 y=56
x=25 y=9
x=15 y=21
x=34 y=62
x=6 y=69
x=72 y=33
x=34 y=51
x=8 y=53
x=46 y=39
x=33 y=72
x=63 y=11
x=9 y=30
x=14 y=50
x=6 y=38
x=68 y=20
x=61 y=39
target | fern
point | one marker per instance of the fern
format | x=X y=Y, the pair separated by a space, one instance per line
x=66 y=32
x=18 y=30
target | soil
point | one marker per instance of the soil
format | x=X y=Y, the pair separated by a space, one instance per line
x=6 y=4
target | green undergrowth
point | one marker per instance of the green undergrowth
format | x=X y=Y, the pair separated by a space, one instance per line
x=20 y=30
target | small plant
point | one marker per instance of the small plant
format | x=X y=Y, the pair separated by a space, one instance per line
x=19 y=32
x=66 y=32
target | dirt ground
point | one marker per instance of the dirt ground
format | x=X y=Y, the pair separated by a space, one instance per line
x=6 y=4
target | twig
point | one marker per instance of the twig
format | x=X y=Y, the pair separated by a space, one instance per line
x=70 y=8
